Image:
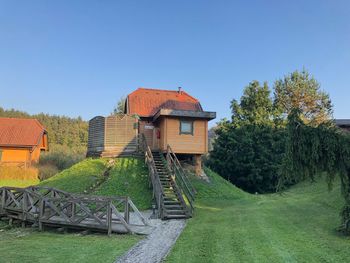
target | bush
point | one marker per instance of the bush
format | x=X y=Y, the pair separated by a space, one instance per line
x=62 y=157
x=46 y=171
x=250 y=156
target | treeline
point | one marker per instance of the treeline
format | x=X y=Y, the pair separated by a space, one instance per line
x=63 y=131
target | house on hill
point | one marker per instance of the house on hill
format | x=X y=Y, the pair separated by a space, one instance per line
x=165 y=117
x=21 y=141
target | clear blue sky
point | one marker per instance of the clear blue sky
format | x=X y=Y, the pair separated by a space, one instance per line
x=77 y=58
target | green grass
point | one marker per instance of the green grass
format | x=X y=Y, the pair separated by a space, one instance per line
x=128 y=177
x=18 y=183
x=25 y=245
x=232 y=226
x=79 y=177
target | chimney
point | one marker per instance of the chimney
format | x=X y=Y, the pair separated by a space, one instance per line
x=180 y=90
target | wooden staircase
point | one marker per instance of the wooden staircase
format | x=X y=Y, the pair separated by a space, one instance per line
x=174 y=206
x=172 y=190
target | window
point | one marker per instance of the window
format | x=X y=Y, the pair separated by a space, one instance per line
x=186 y=127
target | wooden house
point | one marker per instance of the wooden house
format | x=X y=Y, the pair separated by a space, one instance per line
x=21 y=141
x=165 y=117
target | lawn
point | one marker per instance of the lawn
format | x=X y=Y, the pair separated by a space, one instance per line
x=232 y=226
x=26 y=245
x=128 y=177
x=79 y=177
x=18 y=183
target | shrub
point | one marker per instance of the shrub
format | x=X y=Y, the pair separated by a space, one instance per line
x=46 y=171
x=62 y=157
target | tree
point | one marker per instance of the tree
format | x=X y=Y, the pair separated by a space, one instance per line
x=299 y=90
x=255 y=106
x=248 y=150
x=120 y=107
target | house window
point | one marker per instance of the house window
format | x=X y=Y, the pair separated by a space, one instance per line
x=186 y=127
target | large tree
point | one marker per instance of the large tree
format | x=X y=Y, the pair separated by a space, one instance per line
x=299 y=90
x=255 y=106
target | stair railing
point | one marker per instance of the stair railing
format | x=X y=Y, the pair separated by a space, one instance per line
x=181 y=178
x=158 y=193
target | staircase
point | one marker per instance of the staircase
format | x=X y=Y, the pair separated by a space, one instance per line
x=174 y=206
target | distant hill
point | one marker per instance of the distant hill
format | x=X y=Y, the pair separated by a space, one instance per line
x=65 y=131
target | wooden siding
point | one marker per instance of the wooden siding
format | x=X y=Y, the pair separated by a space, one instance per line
x=184 y=143
x=96 y=136
x=112 y=136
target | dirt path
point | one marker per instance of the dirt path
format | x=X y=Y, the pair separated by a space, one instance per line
x=157 y=245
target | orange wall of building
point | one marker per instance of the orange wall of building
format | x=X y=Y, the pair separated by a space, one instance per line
x=184 y=143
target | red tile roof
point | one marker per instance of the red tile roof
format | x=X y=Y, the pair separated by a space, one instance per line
x=146 y=102
x=20 y=132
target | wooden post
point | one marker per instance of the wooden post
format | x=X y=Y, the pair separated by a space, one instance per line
x=126 y=212
x=41 y=214
x=197 y=158
x=109 y=218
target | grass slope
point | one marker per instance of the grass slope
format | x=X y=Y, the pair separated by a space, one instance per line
x=232 y=226
x=79 y=177
x=128 y=177
x=18 y=183
x=25 y=245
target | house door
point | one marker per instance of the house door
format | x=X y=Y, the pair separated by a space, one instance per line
x=156 y=138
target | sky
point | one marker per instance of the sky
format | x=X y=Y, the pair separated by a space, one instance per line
x=77 y=58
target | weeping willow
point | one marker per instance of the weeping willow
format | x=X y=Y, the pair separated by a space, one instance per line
x=312 y=151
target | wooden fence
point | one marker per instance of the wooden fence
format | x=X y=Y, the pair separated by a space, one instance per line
x=44 y=206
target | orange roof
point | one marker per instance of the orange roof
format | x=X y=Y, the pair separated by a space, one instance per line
x=20 y=132
x=147 y=102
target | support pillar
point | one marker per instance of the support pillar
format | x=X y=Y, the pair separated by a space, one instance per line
x=197 y=161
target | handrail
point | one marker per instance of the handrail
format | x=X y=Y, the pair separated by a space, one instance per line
x=158 y=193
x=180 y=177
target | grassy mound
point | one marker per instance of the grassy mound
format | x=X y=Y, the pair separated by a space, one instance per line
x=79 y=177
x=296 y=226
x=128 y=177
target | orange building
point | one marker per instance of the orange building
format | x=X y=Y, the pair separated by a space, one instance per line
x=21 y=141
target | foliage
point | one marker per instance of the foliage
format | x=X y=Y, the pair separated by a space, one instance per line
x=62 y=157
x=46 y=171
x=315 y=150
x=120 y=107
x=255 y=106
x=26 y=245
x=249 y=149
x=62 y=130
x=128 y=177
x=79 y=177
x=249 y=156
x=262 y=228
x=299 y=90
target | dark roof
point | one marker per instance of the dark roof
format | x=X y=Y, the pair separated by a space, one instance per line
x=342 y=122
x=147 y=102
x=20 y=132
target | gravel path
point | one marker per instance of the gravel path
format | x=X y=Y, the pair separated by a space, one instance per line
x=157 y=245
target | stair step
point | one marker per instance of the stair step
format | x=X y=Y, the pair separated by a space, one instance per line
x=175 y=216
x=175 y=207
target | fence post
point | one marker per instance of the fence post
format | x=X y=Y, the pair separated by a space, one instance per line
x=41 y=213
x=109 y=218
x=126 y=212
